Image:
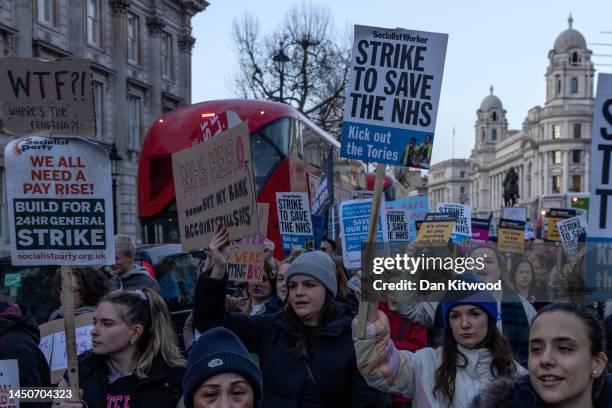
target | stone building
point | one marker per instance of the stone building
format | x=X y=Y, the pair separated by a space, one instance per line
x=551 y=151
x=449 y=182
x=141 y=65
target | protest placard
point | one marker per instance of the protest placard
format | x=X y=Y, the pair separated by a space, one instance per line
x=553 y=215
x=258 y=239
x=245 y=263
x=361 y=194
x=570 y=230
x=324 y=194
x=463 y=226
x=318 y=229
x=59 y=202
x=392 y=96
x=511 y=236
x=480 y=230
x=416 y=206
x=294 y=220
x=599 y=239
x=53 y=342
x=514 y=213
x=214 y=185
x=354 y=223
x=398 y=226
x=46 y=96
x=436 y=229
x=9 y=378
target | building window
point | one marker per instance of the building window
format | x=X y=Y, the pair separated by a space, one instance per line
x=577 y=130
x=94 y=30
x=493 y=134
x=574 y=58
x=166 y=54
x=556 y=184
x=133 y=38
x=576 y=156
x=558 y=79
x=494 y=116
x=556 y=157
x=556 y=132
x=482 y=134
x=575 y=187
x=462 y=190
x=134 y=122
x=98 y=94
x=574 y=85
x=462 y=174
x=47 y=12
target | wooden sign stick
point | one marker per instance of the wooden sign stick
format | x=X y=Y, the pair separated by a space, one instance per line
x=69 y=330
x=368 y=310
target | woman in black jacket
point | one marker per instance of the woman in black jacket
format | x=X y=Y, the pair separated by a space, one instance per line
x=306 y=351
x=134 y=361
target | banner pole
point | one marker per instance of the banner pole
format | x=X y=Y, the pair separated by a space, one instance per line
x=69 y=330
x=368 y=310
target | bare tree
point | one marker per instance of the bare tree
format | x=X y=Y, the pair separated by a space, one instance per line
x=315 y=74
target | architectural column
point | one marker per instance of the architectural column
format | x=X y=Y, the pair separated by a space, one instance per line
x=565 y=181
x=546 y=169
x=76 y=29
x=587 y=170
x=24 y=18
x=155 y=26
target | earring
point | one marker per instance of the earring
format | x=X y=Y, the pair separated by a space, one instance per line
x=132 y=342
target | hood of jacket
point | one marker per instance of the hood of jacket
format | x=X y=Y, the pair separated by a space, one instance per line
x=15 y=317
x=136 y=270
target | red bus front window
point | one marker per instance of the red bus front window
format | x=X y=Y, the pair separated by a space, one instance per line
x=269 y=146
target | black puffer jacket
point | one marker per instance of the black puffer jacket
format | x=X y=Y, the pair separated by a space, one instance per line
x=337 y=382
x=161 y=388
x=507 y=393
x=19 y=339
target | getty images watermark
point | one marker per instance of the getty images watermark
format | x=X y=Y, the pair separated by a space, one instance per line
x=407 y=264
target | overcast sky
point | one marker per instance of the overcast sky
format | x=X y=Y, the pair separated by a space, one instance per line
x=502 y=43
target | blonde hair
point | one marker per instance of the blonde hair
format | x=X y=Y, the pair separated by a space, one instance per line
x=148 y=309
x=125 y=244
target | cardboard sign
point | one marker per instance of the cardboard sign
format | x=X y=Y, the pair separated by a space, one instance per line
x=398 y=226
x=258 y=239
x=60 y=202
x=9 y=378
x=245 y=263
x=436 y=229
x=294 y=220
x=392 y=96
x=511 y=236
x=417 y=207
x=570 y=230
x=551 y=234
x=480 y=230
x=53 y=342
x=46 y=96
x=354 y=222
x=214 y=185
x=463 y=226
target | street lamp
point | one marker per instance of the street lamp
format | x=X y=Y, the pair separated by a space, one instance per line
x=115 y=159
x=280 y=58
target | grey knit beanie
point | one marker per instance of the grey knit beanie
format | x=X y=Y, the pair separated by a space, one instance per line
x=316 y=264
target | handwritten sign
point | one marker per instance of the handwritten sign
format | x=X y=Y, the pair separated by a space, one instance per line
x=245 y=263
x=46 y=96
x=9 y=378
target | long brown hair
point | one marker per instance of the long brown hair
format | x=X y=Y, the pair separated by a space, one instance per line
x=503 y=363
x=147 y=308
x=329 y=312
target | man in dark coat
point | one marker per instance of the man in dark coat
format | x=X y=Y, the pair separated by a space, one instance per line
x=19 y=339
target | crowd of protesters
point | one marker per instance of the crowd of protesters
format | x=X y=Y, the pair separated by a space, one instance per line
x=290 y=340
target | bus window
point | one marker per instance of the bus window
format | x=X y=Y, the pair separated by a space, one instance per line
x=269 y=146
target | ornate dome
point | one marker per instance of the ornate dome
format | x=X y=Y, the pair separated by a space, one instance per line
x=569 y=39
x=491 y=102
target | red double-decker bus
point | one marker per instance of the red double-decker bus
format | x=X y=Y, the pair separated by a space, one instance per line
x=287 y=152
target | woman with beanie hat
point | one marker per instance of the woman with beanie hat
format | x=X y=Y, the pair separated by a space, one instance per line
x=305 y=351
x=473 y=352
x=220 y=373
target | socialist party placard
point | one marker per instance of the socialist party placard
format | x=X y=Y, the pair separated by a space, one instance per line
x=60 y=202
x=393 y=95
